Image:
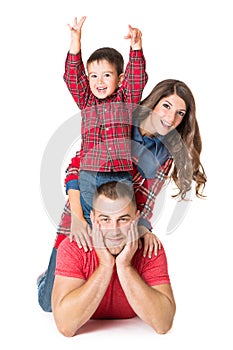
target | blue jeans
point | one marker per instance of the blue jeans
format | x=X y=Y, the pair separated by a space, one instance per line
x=89 y=181
x=45 y=285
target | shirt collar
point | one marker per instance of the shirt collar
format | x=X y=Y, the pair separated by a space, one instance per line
x=137 y=136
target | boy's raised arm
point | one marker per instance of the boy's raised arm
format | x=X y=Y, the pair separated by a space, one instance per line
x=75 y=29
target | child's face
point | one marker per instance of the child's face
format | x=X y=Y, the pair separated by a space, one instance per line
x=103 y=78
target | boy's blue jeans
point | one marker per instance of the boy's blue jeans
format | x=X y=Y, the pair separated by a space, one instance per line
x=89 y=181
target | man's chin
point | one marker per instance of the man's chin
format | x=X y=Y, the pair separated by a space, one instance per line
x=115 y=250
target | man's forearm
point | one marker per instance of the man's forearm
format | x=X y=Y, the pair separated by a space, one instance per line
x=77 y=307
x=154 y=307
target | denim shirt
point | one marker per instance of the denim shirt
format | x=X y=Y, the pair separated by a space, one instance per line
x=150 y=152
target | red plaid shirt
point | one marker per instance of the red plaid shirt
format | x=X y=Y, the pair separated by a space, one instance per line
x=106 y=123
x=146 y=190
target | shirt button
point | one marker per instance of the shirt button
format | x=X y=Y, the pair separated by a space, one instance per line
x=109 y=148
x=106 y=129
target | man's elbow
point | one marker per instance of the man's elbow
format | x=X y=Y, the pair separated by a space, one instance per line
x=165 y=324
x=66 y=331
x=162 y=329
x=65 y=326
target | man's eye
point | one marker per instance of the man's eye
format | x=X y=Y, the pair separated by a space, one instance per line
x=104 y=220
x=124 y=220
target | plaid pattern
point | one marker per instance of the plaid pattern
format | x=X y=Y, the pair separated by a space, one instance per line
x=107 y=123
x=146 y=191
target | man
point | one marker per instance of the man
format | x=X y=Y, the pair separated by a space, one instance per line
x=113 y=280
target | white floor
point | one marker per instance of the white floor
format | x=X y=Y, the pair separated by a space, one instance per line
x=199 y=265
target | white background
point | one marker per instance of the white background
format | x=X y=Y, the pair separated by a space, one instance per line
x=187 y=40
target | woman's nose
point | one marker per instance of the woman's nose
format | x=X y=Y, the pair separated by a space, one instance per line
x=171 y=117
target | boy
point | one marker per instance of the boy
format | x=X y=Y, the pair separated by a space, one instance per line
x=106 y=96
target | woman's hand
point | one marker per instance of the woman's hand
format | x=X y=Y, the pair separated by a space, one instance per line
x=151 y=244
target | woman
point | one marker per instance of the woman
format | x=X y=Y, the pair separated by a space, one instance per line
x=165 y=138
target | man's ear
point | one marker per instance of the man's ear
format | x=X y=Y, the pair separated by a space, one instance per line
x=121 y=77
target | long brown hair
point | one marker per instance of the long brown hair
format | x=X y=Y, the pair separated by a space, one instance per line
x=184 y=143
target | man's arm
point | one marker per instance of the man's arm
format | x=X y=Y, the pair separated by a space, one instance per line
x=155 y=305
x=75 y=300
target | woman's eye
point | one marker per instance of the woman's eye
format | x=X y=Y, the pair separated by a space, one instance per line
x=182 y=114
x=166 y=105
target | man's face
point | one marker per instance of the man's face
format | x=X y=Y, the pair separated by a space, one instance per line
x=114 y=218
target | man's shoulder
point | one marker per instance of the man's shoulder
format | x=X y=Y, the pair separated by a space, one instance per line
x=139 y=259
x=74 y=261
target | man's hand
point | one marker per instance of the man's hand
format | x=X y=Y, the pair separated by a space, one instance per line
x=75 y=29
x=105 y=257
x=135 y=36
x=80 y=231
x=132 y=244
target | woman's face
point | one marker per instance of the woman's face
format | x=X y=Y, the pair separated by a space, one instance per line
x=166 y=115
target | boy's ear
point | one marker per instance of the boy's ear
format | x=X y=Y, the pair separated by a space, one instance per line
x=121 y=77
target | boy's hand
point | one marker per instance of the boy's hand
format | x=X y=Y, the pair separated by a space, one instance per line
x=135 y=36
x=151 y=244
x=80 y=231
x=75 y=29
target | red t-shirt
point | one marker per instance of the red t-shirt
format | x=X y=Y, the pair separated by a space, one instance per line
x=74 y=262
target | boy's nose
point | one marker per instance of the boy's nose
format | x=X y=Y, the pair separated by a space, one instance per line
x=100 y=79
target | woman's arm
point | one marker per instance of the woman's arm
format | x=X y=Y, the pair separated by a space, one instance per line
x=147 y=190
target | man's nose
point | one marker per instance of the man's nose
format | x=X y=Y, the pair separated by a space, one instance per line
x=114 y=225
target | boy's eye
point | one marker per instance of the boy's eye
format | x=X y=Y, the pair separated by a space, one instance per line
x=93 y=76
x=107 y=75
